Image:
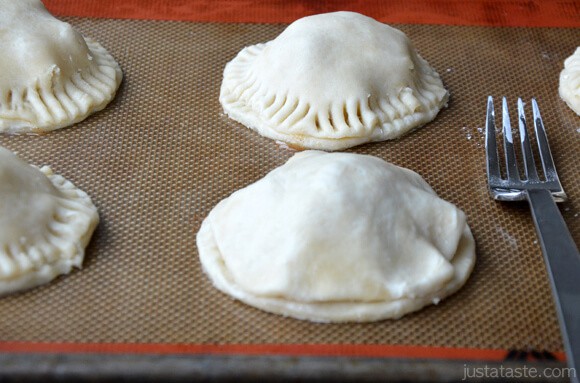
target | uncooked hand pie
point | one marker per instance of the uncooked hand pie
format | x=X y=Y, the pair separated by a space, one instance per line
x=570 y=81
x=336 y=237
x=332 y=81
x=50 y=75
x=45 y=224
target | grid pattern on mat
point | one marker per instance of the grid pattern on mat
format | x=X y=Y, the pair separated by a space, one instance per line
x=162 y=154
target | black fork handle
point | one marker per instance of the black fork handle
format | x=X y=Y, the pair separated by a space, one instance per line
x=563 y=264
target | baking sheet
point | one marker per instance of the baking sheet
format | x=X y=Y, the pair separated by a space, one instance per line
x=162 y=154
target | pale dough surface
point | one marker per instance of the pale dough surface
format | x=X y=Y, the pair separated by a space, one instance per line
x=45 y=224
x=332 y=81
x=336 y=237
x=570 y=81
x=50 y=75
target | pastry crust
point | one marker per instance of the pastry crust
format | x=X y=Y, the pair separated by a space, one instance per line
x=332 y=81
x=570 y=82
x=50 y=75
x=335 y=237
x=45 y=224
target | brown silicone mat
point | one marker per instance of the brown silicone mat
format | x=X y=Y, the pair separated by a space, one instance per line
x=163 y=154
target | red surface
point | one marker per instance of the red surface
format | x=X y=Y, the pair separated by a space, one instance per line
x=386 y=351
x=522 y=13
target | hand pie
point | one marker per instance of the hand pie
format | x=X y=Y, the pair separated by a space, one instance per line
x=332 y=81
x=50 y=75
x=336 y=237
x=45 y=224
x=570 y=81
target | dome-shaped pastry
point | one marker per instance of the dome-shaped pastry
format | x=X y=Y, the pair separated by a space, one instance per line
x=50 y=76
x=45 y=224
x=332 y=81
x=337 y=237
x=570 y=81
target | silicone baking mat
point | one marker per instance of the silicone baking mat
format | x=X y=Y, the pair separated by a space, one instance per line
x=162 y=154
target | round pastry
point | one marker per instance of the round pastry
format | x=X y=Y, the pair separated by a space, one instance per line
x=332 y=81
x=45 y=224
x=50 y=75
x=570 y=81
x=336 y=237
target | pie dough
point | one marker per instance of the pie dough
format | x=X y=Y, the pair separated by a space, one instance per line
x=50 y=75
x=570 y=81
x=45 y=224
x=332 y=81
x=336 y=237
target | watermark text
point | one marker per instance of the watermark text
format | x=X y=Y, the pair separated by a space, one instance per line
x=517 y=372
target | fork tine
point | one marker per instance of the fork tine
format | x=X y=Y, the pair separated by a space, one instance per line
x=508 y=145
x=490 y=143
x=545 y=154
x=529 y=163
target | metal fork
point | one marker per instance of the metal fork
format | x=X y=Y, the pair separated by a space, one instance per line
x=560 y=252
